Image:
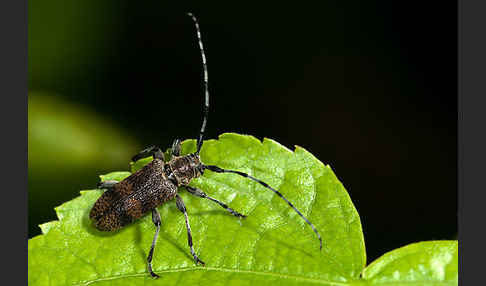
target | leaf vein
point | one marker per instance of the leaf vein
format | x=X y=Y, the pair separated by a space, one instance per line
x=228 y=270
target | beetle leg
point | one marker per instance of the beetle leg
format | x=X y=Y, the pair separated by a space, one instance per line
x=176 y=148
x=182 y=208
x=149 y=151
x=106 y=184
x=199 y=193
x=156 y=221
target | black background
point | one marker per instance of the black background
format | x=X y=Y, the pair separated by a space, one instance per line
x=367 y=87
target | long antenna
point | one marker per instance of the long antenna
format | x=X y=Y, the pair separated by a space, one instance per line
x=217 y=169
x=205 y=80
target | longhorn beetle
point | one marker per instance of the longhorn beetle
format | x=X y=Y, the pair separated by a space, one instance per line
x=158 y=182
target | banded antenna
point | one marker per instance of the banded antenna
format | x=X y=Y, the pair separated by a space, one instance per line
x=200 y=140
x=205 y=82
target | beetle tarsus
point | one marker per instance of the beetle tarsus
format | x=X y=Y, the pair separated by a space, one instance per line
x=153 y=274
x=197 y=260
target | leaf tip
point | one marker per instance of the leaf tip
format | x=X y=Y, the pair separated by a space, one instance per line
x=45 y=227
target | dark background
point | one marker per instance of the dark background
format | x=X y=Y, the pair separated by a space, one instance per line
x=367 y=87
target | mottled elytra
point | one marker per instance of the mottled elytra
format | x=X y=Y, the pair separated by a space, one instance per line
x=157 y=182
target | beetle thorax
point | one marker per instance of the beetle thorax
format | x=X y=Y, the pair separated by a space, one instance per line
x=185 y=168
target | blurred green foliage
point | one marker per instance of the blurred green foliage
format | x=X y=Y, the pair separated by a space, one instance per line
x=67 y=147
x=67 y=42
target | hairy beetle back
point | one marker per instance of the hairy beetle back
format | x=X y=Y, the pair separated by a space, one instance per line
x=131 y=198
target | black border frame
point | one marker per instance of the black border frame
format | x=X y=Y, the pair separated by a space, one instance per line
x=13 y=28
x=471 y=137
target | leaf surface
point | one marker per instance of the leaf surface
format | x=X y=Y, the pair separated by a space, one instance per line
x=272 y=245
x=423 y=263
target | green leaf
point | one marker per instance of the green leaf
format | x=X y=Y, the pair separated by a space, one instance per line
x=423 y=263
x=272 y=245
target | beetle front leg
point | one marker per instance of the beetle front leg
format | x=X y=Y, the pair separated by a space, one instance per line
x=182 y=208
x=176 y=148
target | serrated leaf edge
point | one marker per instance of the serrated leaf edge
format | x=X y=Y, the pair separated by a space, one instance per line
x=47 y=226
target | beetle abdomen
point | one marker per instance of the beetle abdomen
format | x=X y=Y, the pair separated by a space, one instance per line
x=133 y=197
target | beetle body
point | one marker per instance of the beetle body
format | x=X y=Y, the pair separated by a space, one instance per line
x=144 y=190
x=158 y=182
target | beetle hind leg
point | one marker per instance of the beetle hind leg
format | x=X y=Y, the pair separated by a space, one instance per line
x=156 y=221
